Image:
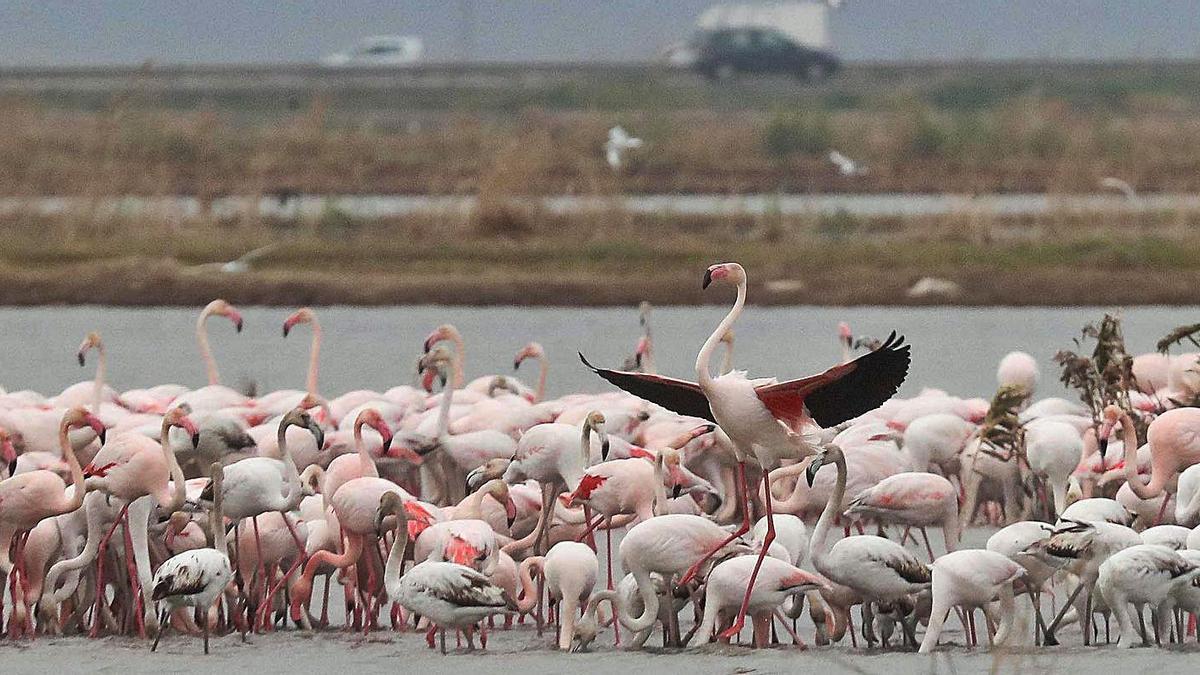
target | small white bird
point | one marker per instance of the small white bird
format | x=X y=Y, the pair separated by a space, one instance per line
x=619 y=142
x=845 y=165
x=238 y=266
x=1113 y=183
x=195 y=578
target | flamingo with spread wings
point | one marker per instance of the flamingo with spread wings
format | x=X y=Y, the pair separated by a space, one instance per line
x=765 y=418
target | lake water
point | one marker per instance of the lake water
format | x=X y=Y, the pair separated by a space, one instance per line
x=953 y=348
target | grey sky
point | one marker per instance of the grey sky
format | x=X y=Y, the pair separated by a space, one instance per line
x=130 y=31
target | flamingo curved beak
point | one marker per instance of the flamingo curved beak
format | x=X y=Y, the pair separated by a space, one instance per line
x=384 y=431
x=707 y=279
x=510 y=511
x=236 y=318
x=81 y=358
x=97 y=426
x=810 y=474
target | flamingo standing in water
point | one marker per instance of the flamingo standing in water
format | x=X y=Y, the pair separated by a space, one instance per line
x=28 y=498
x=972 y=578
x=878 y=569
x=776 y=582
x=570 y=569
x=914 y=499
x=763 y=417
x=448 y=594
x=195 y=578
x=1146 y=574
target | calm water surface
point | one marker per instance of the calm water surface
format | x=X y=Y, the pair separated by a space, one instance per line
x=953 y=348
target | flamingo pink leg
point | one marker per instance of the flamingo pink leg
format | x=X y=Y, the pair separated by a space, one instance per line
x=135 y=586
x=740 y=621
x=608 y=553
x=743 y=495
x=100 y=555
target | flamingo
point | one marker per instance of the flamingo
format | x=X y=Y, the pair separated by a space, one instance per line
x=1174 y=440
x=777 y=581
x=765 y=418
x=668 y=545
x=972 y=578
x=570 y=569
x=1054 y=450
x=1013 y=541
x=937 y=440
x=876 y=568
x=534 y=350
x=448 y=594
x=1145 y=574
x=344 y=468
x=279 y=402
x=914 y=499
x=1081 y=547
x=195 y=578
x=217 y=307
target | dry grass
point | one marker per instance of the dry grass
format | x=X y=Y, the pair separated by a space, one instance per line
x=1025 y=144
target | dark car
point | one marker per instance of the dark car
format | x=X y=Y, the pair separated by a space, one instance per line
x=723 y=53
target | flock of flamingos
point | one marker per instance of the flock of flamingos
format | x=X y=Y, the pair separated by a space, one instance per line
x=192 y=511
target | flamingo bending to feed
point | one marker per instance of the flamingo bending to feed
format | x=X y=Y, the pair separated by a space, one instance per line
x=973 y=578
x=448 y=594
x=1146 y=574
x=878 y=569
x=570 y=569
x=915 y=499
x=1174 y=440
x=776 y=582
x=763 y=417
x=195 y=578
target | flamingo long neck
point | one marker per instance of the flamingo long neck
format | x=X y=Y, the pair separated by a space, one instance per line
x=443 y=425
x=660 y=489
x=471 y=507
x=101 y=369
x=648 y=355
x=589 y=612
x=524 y=543
x=77 y=479
x=572 y=471
x=314 y=352
x=845 y=352
x=294 y=492
x=366 y=464
x=821 y=532
x=727 y=362
x=710 y=345
x=1158 y=479
x=210 y=363
x=174 y=501
x=395 y=560
x=460 y=358
x=645 y=587
x=529 y=592
x=216 y=518
x=543 y=370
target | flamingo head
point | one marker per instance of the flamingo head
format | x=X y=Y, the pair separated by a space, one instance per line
x=498 y=489
x=832 y=453
x=844 y=334
x=1112 y=415
x=178 y=417
x=434 y=365
x=299 y=417
x=371 y=417
x=442 y=332
x=730 y=272
x=532 y=350
x=220 y=307
x=302 y=315
x=490 y=470
x=175 y=526
x=390 y=504
x=90 y=341
x=77 y=418
x=595 y=422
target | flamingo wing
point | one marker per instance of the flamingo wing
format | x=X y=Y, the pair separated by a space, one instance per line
x=464 y=587
x=678 y=396
x=841 y=393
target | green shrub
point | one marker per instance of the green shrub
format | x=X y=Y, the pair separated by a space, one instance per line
x=806 y=132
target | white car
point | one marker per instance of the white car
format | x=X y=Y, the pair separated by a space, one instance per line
x=380 y=50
